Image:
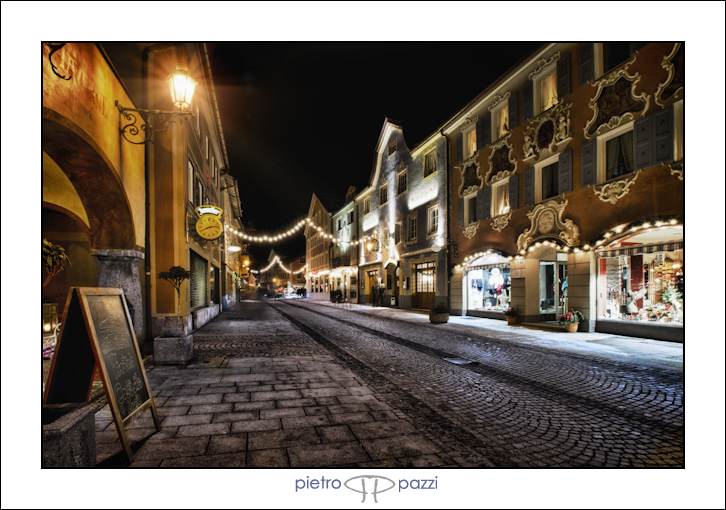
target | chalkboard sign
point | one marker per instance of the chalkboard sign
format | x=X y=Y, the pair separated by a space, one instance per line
x=97 y=331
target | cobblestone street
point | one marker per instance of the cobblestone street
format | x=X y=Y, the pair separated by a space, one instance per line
x=303 y=384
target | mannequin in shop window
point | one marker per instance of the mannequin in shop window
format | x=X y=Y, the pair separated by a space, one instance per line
x=496 y=282
x=632 y=305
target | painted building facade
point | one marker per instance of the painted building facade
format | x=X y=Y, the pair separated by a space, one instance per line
x=403 y=209
x=317 y=250
x=344 y=263
x=567 y=190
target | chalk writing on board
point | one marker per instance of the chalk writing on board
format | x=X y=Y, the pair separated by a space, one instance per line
x=127 y=395
x=120 y=364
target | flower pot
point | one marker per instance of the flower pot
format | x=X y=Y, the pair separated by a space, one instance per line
x=511 y=321
x=572 y=327
x=438 y=318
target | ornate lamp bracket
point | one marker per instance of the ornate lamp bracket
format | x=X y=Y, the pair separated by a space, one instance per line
x=53 y=49
x=158 y=115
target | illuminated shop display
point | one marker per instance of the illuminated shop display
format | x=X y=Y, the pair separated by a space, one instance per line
x=488 y=283
x=641 y=278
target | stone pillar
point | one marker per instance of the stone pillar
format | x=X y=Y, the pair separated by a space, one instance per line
x=119 y=268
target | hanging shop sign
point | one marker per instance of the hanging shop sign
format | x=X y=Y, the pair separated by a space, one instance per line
x=209 y=226
x=96 y=331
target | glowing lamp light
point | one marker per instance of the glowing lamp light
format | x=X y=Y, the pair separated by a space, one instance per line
x=181 y=87
x=234 y=248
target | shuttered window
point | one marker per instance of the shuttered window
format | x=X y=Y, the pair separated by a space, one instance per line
x=198 y=280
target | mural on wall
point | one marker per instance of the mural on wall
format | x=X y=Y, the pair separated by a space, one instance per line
x=501 y=162
x=548 y=133
x=546 y=222
x=671 y=90
x=615 y=101
x=470 y=179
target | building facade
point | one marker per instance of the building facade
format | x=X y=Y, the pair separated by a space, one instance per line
x=567 y=190
x=344 y=263
x=317 y=250
x=403 y=211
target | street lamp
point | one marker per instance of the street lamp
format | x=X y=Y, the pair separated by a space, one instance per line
x=181 y=87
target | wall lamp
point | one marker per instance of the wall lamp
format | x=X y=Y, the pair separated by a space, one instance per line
x=181 y=87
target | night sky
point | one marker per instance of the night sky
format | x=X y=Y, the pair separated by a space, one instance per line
x=305 y=117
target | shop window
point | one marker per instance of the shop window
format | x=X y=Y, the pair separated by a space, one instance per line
x=500 y=198
x=384 y=194
x=430 y=163
x=198 y=280
x=402 y=182
x=488 y=284
x=366 y=205
x=433 y=220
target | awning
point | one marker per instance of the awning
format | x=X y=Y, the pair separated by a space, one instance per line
x=636 y=250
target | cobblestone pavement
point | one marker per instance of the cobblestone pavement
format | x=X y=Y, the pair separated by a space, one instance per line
x=345 y=388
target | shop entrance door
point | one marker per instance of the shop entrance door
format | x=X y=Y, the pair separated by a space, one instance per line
x=553 y=289
x=373 y=285
x=425 y=291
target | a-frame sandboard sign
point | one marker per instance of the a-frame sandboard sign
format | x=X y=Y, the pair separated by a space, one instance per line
x=97 y=330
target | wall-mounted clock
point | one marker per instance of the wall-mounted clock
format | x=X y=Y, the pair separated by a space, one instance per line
x=209 y=227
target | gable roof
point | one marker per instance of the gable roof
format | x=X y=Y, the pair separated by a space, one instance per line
x=389 y=126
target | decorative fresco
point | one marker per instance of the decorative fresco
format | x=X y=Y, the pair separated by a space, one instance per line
x=614 y=191
x=546 y=222
x=615 y=101
x=501 y=163
x=547 y=133
x=671 y=90
x=470 y=179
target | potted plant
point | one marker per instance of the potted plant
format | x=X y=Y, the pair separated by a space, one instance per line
x=174 y=347
x=571 y=320
x=511 y=315
x=439 y=314
x=54 y=260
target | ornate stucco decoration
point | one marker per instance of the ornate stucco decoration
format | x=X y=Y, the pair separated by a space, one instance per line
x=542 y=63
x=501 y=162
x=677 y=169
x=671 y=90
x=468 y=122
x=471 y=181
x=501 y=221
x=470 y=229
x=547 y=222
x=615 y=101
x=498 y=99
x=548 y=133
x=615 y=190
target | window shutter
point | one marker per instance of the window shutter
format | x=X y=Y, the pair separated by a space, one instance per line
x=486 y=131
x=587 y=62
x=460 y=211
x=460 y=148
x=643 y=142
x=529 y=187
x=514 y=192
x=663 y=127
x=527 y=101
x=565 y=172
x=484 y=203
x=479 y=133
x=513 y=117
x=588 y=153
x=563 y=77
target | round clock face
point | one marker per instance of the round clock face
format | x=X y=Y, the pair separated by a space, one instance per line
x=209 y=227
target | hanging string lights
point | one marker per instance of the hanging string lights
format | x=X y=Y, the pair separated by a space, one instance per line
x=277 y=261
x=282 y=236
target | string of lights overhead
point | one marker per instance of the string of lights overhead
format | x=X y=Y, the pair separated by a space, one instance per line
x=281 y=236
x=277 y=261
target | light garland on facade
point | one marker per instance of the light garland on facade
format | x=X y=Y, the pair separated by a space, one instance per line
x=621 y=229
x=277 y=261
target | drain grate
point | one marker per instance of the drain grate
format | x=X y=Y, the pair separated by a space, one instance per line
x=458 y=361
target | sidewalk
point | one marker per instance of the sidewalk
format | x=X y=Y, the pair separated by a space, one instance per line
x=630 y=349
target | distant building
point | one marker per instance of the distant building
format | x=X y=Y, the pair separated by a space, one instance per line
x=344 y=265
x=317 y=250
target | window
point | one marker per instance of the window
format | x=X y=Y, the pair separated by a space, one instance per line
x=545 y=90
x=398 y=234
x=206 y=151
x=199 y=195
x=366 y=205
x=384 y=194
x=470 y=209
x=412 y=225
x=430 y=163
x=547 y=179
x=470 y=142
x=433 y=220
x=402 y=182
x=500 y=121
x=350 y=217
x=615 y=53
x=340 y=224
x=392 y=147
x=678 y=152
x=190 y=181
x=500 y=198
x=619 y=156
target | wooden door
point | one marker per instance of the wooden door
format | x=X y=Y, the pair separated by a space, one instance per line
x=425 y=285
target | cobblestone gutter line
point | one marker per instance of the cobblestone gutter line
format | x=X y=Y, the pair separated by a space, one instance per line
x=569 y=399
x=441 y=429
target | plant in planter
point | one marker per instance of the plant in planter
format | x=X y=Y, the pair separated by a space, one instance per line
x=439 y=314
x=54 y=260
x=511 y=314
x=173 y=346
x=571 y=320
